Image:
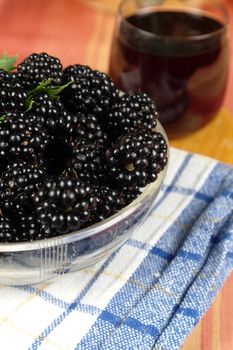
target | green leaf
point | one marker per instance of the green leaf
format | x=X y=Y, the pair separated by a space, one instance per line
x=2 y=118
x=54 y=91
x=29 y=102
x=7 y=62
x=45 y=87
x=40 y=87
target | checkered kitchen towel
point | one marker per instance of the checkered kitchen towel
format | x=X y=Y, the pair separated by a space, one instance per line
x=152 y=291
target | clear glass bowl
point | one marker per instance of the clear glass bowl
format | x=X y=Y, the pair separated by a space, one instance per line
x=33 y=262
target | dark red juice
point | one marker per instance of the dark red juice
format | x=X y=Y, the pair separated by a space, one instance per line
x=179 y=58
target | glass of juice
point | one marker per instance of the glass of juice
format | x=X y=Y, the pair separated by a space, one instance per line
x=177 y=52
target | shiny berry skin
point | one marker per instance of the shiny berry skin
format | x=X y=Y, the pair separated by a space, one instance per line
x=88 y=162
x=129 y=194
x=132 y=111
x=53 y=116
x=30 y=229
x=8 y=232
x=39 y=67
x=89 y=130
x=136 y=158
x=18 y=183
x=12 y=94
x=108 y=201
x=91 y=91
x=22 y=136
x=64 y=204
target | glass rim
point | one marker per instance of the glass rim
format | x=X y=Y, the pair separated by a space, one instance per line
x=212 y=34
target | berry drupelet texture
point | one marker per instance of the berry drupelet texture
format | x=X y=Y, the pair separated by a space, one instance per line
x=22 y=135
x=128 y=194
x=88 y=162
x=31 y=229
x=12 y=94
x=132 y=111
x=89 y=130
x=53 y=116
x=136 y=158
x=8 y=233
x=91 y=91
x=39 y=67
x=108 y=201
x=64 y=204
x=18 y=183
x=23 y=228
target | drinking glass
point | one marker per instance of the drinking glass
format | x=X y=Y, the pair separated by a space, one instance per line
x=177 y=52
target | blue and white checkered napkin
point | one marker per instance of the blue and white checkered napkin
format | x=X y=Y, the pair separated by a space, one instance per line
x=152 y=291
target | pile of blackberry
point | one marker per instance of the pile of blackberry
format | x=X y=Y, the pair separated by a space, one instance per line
x=73 y=150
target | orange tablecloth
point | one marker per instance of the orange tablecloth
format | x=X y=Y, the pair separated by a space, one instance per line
x=79 y=31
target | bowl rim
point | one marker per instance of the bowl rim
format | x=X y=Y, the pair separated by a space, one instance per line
x=93 y=229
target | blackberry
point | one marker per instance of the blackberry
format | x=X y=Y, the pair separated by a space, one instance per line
x=12 y=95
x=8 y=232
x=63 y=204
x=132 y=111
x=128 y=194
x=88 y=130
x=30 y=229
x=53 y=116
x=136 y=158
x=70 y=161
x=21 y=135
x=17 y=184
x=108 y=202
x=91 y=91
x=88 y=162
x=38 y=67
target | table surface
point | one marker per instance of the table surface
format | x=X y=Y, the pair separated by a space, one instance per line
x=80 y=31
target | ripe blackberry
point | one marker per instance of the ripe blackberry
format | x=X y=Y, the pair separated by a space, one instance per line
x=8 y=232
x=88 y=162
x=30 y=229
x=17 y=184
x=132 y=111
x=128 y=194
x=38 y=67
x=53 y=116
x=108 y=202
x=21 y=135
x=12 y=95
x=88 y=130
x=63 y=204
x=91 y=91
x=136 y=158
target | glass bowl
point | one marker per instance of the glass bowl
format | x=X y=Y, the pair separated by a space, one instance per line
x=38 y=261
